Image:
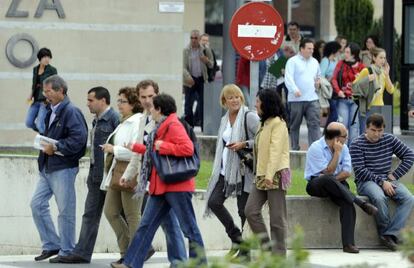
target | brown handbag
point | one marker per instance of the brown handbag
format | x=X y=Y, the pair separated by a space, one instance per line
x=117 y=172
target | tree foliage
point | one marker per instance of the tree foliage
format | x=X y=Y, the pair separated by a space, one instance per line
x=353 y=18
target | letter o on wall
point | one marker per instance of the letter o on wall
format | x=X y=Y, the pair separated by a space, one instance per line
x=12 y=43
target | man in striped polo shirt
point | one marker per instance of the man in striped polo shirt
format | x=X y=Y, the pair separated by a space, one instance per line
x=371 y=155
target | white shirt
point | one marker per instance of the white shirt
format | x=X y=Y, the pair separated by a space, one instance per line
x=300 y=74
x=226 y=138
x=53 y=114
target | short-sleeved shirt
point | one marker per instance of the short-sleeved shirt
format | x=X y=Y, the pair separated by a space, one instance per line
x=319 y=155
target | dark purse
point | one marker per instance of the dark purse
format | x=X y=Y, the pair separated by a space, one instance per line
x=174 y=169
x=246 y=154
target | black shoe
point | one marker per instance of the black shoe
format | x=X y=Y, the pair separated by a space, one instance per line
x=46 y=254
x=369 y=208
x=350 y=249
x=150 y=252
x=72 y=259
x=388 y=241
x=55 y=259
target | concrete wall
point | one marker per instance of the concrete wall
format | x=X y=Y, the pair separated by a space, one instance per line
x=18 y=235
x=99 y=42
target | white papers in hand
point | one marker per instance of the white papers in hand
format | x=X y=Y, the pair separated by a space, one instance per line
x=40 y=142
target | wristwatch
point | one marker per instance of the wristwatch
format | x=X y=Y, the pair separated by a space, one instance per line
x=381 y=183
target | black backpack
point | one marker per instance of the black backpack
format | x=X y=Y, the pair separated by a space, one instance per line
x=211 y=72
x=191 y=134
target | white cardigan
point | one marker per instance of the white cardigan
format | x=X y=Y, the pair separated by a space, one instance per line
x=125 y=133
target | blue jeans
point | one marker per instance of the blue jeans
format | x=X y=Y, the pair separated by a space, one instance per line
x=405 y=202
x=156 y=210
x=60 y=183
x=333 y=111
x=36 y=115
x=346 y=113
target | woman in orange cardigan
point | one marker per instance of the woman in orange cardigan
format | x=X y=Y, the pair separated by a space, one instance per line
x=168 y=138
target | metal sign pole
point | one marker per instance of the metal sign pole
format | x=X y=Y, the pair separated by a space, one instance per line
x=254 y=83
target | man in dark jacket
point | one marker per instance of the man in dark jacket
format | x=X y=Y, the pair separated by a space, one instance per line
x=104 y=123
x=58 y=166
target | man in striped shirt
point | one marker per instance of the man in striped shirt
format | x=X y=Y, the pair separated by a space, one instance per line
x=371 y=155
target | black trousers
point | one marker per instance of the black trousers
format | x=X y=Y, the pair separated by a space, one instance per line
x=216 y=204
x=192 y=94
x=91 y=218
x=339 y=193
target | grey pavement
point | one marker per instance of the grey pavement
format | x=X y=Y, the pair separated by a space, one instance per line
x=321 y=258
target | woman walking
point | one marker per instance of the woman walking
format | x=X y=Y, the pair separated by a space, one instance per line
x=118 y=198
x=35 y=118
x=345 y=73
x=378 y=74
x=230 y=176
x=271 y=151
x=168 y=138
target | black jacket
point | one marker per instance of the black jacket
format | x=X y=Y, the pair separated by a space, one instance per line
x=37 y=84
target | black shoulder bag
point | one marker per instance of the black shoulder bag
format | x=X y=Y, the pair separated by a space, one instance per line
x=246 y=154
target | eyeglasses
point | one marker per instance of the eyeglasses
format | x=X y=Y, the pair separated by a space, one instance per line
x=193 y=37
x=344 y=136
x=121 y=101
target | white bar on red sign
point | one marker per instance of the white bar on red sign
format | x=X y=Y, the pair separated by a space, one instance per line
x=256 y=31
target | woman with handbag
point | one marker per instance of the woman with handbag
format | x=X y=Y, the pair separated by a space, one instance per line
x=378 y=74
x=169 y=138
x=118 y=198
x=271 y=154
x=231 y=175
x=344 y=74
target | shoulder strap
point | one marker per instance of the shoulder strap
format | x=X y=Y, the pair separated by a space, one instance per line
x=370 y=70
x=245 y=124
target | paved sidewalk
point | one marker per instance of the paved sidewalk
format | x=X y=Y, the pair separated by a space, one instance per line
x=318 y=259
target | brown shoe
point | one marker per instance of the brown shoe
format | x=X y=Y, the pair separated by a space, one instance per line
x=118 y=265
x=350 y=249
x=369 y=208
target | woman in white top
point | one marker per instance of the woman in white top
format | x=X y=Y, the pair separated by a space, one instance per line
x=119 y=198
x=229 y=177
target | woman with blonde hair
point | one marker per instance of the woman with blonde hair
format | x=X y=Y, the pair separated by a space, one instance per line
x=378 y=74
x=229 y=175
x=118 y=198
x=271 y=151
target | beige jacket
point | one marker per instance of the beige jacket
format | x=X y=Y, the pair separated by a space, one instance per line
x=271 y=151
x=187 y=60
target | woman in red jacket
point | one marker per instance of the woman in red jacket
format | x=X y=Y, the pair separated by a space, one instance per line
x=168 y=138
x=345 y=73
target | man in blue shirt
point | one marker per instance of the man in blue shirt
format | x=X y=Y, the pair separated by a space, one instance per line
x=302 y=79
x=328 y=166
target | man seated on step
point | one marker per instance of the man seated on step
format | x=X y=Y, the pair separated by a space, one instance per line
x=328 y=166
x=371 y=155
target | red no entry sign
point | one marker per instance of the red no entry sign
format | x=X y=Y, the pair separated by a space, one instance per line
x=256 y=31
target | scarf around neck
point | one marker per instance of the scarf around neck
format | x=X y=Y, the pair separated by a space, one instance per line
x=146 y=167
x=233 y=183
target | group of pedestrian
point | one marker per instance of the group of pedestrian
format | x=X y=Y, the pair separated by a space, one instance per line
x=322 y=79
x=200 y=67
x=119 y=176
x=251 y=158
